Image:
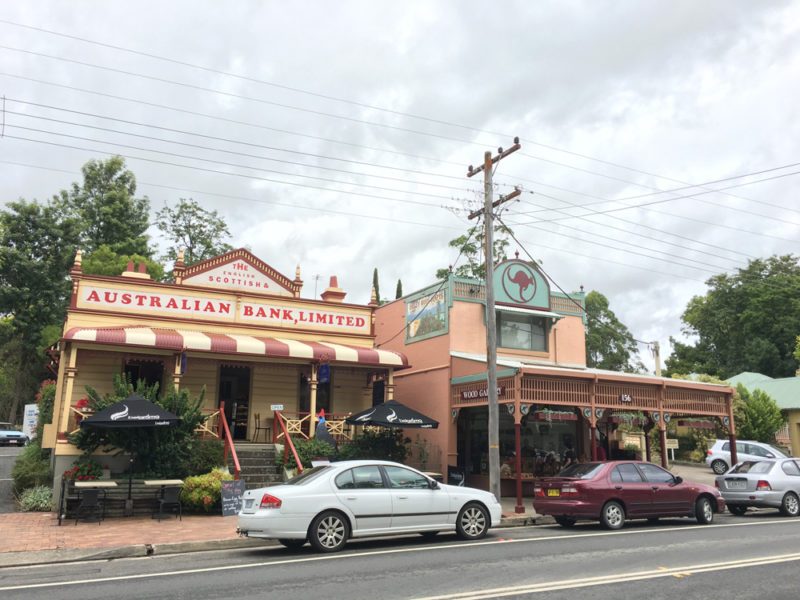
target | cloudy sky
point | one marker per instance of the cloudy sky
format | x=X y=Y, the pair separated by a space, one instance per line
x=659 y=139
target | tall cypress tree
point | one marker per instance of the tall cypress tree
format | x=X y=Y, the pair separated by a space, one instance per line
x=376 y=286
x=399 y=291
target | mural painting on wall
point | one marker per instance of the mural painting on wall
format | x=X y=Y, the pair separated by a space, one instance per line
x=426 y=316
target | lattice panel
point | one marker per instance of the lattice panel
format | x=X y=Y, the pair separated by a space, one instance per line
x=565 y=305
x=551 y=390
x=610 y=394
x=696 y=402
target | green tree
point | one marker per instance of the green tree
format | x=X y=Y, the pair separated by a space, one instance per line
x=471 y=246
x=745 y=322
x=398 y=292
x=201 y=233
x=106 y=206
x=105 y=261
x=376 y=286
x=37 y=245
x=760 y=418
x=609 y=344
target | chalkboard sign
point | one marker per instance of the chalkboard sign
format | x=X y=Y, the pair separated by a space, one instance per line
x=232 y=492
x=455 y=476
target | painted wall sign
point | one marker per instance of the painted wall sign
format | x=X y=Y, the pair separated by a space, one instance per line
x=290 y=316
x=238 y=275
x=483 y=393
x=426 y=316
x=519 y=283
x=149 y=302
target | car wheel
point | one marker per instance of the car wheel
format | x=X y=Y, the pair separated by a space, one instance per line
x=329 y=532
x=292 y=544
x=472 y=522
x=737 y=510
x=790 y=507
x=719 y=466
x=565 y=521
x=703 y=511
x=613 y=515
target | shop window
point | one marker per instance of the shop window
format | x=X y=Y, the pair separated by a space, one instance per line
x=378 y=392
x=152 y=372
x=521 y=331
x=323 y=395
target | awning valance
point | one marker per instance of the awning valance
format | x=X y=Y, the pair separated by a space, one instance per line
x=181 y=340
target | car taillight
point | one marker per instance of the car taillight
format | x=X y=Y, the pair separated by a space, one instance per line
x=716 y=483
x=569 y=490
x=763 y=486
x=709 y=452
x=268 y=501
x=538 y=490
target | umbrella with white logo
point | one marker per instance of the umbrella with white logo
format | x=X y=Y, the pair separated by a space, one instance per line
x=133 y=412
x=393 y=414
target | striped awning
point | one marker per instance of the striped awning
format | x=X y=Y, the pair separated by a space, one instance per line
x=182 y=340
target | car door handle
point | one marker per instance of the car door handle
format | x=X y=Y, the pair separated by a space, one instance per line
x=617 y=487
x=352 y=498
x=402 y=497
x=655 y=487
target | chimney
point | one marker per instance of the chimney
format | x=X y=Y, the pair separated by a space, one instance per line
x=333 y=293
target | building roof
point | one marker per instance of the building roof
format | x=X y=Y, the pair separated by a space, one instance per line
x=785 y=391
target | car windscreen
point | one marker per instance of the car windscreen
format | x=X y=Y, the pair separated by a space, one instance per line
x=581 y=470
x=307 y=475
x=753 y=466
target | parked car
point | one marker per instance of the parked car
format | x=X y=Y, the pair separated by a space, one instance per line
x=12 y=437
x=719 y=455
x=613 y=491
x=329 y=504
x=762 y=484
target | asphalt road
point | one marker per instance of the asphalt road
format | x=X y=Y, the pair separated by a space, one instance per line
x=8 y=454
x=736 y=557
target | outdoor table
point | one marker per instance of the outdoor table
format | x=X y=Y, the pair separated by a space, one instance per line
x=95 y=483
x=162 y=483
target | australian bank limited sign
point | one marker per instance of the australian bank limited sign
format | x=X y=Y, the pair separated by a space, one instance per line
x=197 y=307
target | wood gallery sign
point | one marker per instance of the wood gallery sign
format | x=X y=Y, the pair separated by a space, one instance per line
x=482 y=393
x=197 y=307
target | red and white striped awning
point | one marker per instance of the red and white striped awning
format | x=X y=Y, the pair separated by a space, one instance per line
x=182 y=340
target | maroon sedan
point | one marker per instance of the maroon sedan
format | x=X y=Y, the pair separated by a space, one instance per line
x=622 y=489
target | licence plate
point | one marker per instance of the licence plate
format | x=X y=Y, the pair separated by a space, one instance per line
x=553 y=492
x=248 y=503
x=736 y=485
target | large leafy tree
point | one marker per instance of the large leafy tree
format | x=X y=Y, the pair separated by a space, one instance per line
x=37 y=245
x=105 y=261
x=760 y=416
x=609 y=344
x=471 y=245
x=200 y=232
x=746 y=322
x=108 y=210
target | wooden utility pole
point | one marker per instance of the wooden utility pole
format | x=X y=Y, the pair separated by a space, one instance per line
x=491 y=323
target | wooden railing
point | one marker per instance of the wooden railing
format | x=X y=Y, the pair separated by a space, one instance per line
x=209 y=428
x=289 y=445
x=224 y=434
x=300 y=423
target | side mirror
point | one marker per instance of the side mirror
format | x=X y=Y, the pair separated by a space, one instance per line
x=434 y=485
x=770 y=455
x=678 y=479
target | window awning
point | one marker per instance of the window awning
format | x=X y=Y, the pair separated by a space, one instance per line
x=529 y=311
x=182 y=340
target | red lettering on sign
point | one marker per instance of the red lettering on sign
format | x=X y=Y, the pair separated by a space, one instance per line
x=209 y=307
x=155 y=301
x=287 y=315
x=109 y=298
x=360 y=322
x=93 y=297
x=261 y=312
x=248 y=311
x=140 y=299
x=126 y=298
x=172 y=303
x=339 y=319
x=224 y=308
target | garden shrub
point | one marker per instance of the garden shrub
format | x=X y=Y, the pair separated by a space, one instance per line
x=32 y=468
x=203 y=493
x=205 y=455
x=307 y=450
x=83 y=469
x=380 y=444
x=36 y=499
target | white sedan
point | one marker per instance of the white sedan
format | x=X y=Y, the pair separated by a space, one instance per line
x=327 y=505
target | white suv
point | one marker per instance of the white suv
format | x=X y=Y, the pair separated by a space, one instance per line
x=719 y=455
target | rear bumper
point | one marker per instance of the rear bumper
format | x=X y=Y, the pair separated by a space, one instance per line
x=572 y=508
x=772 y=499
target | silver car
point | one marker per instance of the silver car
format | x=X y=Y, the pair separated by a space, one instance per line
x=762 y=484
x=719 y=455
x=326 y=505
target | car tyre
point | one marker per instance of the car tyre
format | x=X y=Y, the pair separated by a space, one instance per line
x=719 y=466
x=472 y=522
x=565 y=521
x=790 y=506
x=329 y=531
x=737 y=510
x=703 y=511
x=613 y=515
x=293 y=544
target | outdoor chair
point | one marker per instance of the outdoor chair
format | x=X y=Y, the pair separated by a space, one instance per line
x=90 y=503
x=171 y=498
x=259 y=427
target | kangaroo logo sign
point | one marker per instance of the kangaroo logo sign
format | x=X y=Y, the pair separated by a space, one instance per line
x=519 y=283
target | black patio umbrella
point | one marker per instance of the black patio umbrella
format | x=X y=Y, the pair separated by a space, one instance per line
x=392 y=414
x=133 y=412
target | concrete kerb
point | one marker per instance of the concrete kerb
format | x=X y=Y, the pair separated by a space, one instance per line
x=65 y=555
